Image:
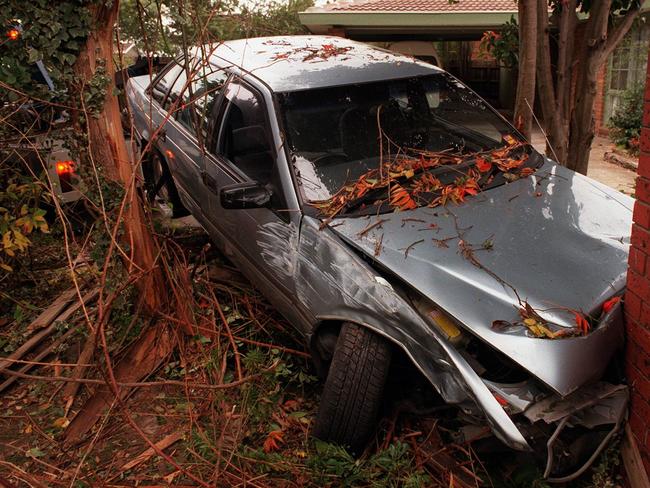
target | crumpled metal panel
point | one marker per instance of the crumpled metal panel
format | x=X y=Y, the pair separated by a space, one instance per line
x=558 y=238
x=604 y=399
x=334 y=283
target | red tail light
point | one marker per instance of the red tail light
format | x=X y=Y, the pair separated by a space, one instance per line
x=64 y=167
x=13 y=34
x=65 y=170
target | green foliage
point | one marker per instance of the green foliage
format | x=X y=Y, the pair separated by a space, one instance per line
x=625 y=124
x=165 y=26
x=274 y=18
x=605 y=473
x=95 y=90
x=20 y=215
x=53 y=32
x=391 y=467
x=502 y=45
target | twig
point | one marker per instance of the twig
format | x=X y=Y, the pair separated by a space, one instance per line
x=371 y=226
x=14 y=375
x=409 y=247
x=144 y=384
x=42 y=334
x=53 y=310
x=164 y=443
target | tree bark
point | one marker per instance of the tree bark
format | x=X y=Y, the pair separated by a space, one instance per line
x=556 y=137
x=565 y=63
x=107 y=148
x=523 y=116
x=600 y=41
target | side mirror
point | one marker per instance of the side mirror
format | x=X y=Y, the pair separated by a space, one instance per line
x=245 y=195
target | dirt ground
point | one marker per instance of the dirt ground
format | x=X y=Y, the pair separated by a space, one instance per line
x=608 y=173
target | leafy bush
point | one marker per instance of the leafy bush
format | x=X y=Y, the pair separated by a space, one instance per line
x=502 y=45
x=625 y=124
x=20 y=215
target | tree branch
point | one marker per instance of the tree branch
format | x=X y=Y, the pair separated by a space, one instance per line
x=618 y=32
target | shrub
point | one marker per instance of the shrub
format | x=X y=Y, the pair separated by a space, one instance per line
x=625 y=124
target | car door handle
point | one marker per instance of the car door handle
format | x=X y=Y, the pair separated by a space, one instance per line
x=162 y=134
x=209 y=181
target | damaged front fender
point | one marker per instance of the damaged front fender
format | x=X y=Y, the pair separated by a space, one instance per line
x=334 y=283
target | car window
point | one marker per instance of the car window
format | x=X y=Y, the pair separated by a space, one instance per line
x=245 y=133
x=199 y=98
x=161 y=87
x=338 y=134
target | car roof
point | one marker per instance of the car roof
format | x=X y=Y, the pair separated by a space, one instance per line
x=290 y=63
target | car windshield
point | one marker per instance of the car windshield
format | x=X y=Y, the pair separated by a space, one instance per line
x=333 y=133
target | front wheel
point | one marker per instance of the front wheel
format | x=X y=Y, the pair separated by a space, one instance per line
x=159 y=184
x=354 y=388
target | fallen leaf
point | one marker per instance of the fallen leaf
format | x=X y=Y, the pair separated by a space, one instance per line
x=582 y=323
x=61 y=423
x=401 y=198
x=609 y=304
x=483 y=165
x=35 y=452
x=273 y=441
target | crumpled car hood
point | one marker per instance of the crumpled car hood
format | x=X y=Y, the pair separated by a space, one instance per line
x=558 y=238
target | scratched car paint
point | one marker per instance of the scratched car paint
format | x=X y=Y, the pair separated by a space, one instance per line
x=557 y=240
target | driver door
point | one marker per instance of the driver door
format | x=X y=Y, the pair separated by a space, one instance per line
x=260 y=240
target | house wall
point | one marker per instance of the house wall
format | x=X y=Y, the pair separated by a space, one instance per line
x=637 y=298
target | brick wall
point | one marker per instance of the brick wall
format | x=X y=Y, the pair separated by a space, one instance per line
x=637 y=298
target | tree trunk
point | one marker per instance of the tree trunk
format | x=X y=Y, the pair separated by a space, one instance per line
x=600 y=41
x=582 y=126
x=107 y=148
x=525 y=101
x=556 y=145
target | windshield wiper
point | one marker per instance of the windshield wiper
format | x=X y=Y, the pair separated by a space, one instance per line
x=357 y=202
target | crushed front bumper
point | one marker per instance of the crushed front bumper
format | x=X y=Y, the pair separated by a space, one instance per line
x=570 y=432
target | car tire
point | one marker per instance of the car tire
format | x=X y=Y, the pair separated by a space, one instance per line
x=354 y=388
x=159 y=184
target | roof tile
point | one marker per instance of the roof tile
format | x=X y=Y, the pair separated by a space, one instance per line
x=424 y=6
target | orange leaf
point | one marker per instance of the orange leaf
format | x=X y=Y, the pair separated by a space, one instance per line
x=526 y=172
x=582 y=323
x=609 y=304
x=272 y=441
x=401 y=198
x=483 y=165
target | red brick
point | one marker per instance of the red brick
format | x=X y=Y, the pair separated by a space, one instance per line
x=644 y=319
x=641 y=408
x=640 y=336
x=637 y=260
x=644 y=142
x=632 y=373
x=642 y=191
x=638 y=284
x=632 y=305
x=641 y=386
x=642 y=214
x=637 y=424
x=641 y=240
x=637 y=358
x=644 y=165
